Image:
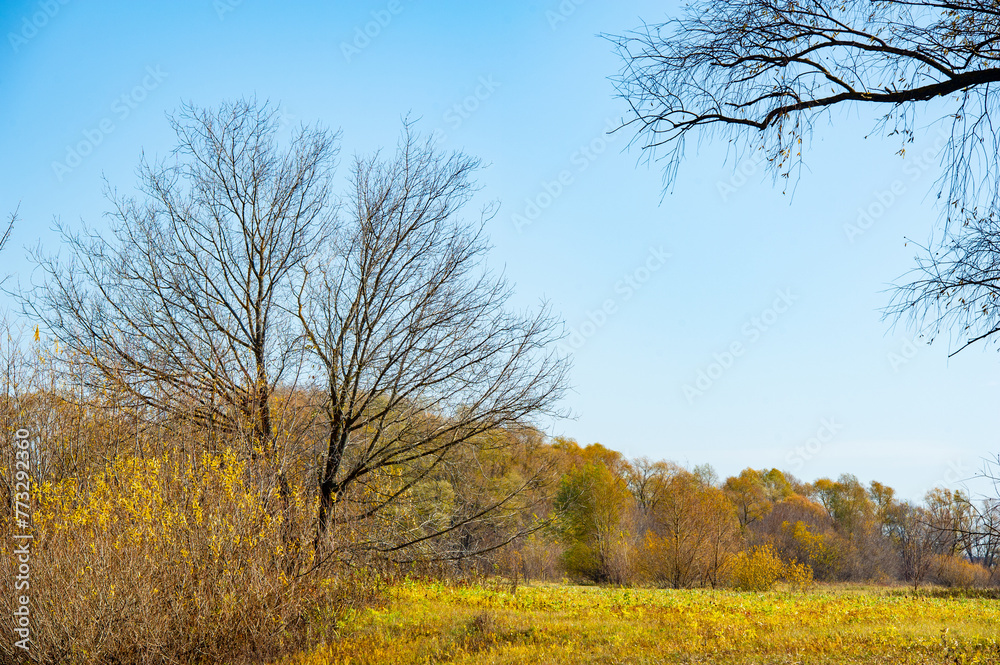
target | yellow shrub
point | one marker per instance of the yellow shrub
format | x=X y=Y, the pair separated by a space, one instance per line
x=798 y=575
x=959 y=572
x=760 y=568
x=165 y=559
x=756 y=570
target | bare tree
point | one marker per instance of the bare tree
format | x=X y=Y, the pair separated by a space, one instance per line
x=419 y=352
x=235 y=273
x=917 y=541
x=955 y=287
x=181 y=300
x=969 y=528
x=988 y=538
x=761 y=72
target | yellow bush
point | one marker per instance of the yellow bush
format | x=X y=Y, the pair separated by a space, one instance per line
x=756 y=570
x=959 y=572
x=760 y=568
x=166 y=559
x=798 y=575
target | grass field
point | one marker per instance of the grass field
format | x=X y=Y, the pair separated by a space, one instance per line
x=424 y=622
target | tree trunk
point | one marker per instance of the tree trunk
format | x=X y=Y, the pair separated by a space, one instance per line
x=329 y=488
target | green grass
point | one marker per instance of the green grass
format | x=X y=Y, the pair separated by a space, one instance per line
x=423 y=622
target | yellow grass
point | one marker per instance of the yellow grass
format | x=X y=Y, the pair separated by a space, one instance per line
x=425 y=622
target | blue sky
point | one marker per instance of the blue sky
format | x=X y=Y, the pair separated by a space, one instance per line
x=726 y=322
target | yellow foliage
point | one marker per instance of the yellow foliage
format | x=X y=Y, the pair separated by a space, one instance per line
x=756 y=570
x=166 y=555
x=956 y=571
x=799 y=575
x=815 y=546
x=760 y=568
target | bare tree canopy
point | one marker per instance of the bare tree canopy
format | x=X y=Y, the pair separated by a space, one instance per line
x=760 y=73
x=956 y=287
x=420 y=352
x=181 y=302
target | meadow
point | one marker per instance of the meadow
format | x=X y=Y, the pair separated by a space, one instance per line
x=433 y=622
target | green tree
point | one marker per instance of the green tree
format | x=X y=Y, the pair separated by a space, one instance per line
x=592 y=504
x=749 y=494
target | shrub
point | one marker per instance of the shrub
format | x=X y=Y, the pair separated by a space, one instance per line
x=798 y=575
x=168 y=560
x=756 y=570
x=760 y=568
x=954 y=571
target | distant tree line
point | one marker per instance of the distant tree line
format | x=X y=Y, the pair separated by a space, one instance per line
x=621 y=521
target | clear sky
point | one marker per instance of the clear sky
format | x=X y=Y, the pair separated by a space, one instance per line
x=655 y=289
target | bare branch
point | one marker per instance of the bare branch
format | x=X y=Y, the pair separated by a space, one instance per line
x=420 y=353
x=182 y=303
x=956 y=287
x=762 y=72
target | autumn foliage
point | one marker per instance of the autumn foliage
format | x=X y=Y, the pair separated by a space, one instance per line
x=624 y=521
x=157 y=541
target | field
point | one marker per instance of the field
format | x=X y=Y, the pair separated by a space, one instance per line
x=424 y=622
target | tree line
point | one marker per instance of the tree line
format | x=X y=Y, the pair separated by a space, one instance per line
x=621 y=521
